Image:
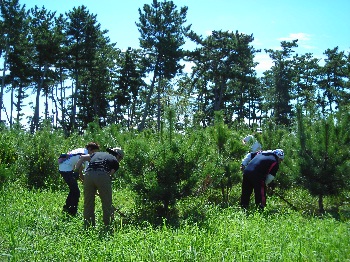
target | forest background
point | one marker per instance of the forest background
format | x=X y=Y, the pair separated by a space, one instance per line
x=301 y=105
x=146 y=89
x=51 y=108
x=181 y=132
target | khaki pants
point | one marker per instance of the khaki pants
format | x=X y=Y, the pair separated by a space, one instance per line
x=93 y=181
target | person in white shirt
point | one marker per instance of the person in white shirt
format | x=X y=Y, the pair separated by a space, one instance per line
x=66 y=163
x=248 y=157
x=253 y=142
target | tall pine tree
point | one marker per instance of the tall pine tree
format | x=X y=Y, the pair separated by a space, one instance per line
x=163 y=32
x=324 y=155
x=282 y=73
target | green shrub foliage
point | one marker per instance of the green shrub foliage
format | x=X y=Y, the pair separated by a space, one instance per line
x=164 y=167
x=324 y=155
x=163 y=170
x=226 y=157
x=8 y=153
x=40 y=158
x=277 y=136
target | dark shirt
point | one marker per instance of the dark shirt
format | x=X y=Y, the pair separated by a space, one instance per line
x=103 y=161
x=263 y=164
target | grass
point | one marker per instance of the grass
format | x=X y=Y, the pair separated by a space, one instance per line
x=33 y=228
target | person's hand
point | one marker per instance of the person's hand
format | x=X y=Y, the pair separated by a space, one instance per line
x=242 y=168
x=269 y=191
x=272 y=185
x=271 y=188
x=269 y=179
x=111 y=174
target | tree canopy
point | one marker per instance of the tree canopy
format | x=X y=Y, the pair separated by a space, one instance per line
x=69 y=61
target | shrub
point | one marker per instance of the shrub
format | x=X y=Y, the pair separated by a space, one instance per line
x=10 y=149
x=40 y=159
x=324 y=156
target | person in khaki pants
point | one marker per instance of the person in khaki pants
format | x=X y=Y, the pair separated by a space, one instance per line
x=102 y=165
x=66 y=164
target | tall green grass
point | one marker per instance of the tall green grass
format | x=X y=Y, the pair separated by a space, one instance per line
x=33 y=228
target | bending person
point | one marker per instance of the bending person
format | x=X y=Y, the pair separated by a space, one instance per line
x=66 y=164
x=260 y=171
x=102 y=166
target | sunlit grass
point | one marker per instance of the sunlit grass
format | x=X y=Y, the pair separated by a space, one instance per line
x=33 y=228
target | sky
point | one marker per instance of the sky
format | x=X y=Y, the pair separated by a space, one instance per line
x=317 y=24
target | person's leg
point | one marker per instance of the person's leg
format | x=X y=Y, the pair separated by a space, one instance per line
x=64 y=176
x=89 y=200
x=260 y=193
x=247 y=190
x=72 y=199
x=104 y=185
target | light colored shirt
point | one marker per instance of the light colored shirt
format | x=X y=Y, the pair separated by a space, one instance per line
x=68 y=164
x=253 y=143
x=247 y=159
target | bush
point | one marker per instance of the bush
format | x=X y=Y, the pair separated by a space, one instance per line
x=40 y=158
x=10 y=144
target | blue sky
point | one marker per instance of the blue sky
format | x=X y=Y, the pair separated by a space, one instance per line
x=318 y=24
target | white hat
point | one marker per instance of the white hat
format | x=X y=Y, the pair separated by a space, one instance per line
x=279 y=153
x=117 y=151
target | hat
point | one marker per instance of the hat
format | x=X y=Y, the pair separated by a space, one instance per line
x=117 y=151
x=259 y=130
x=279 y=153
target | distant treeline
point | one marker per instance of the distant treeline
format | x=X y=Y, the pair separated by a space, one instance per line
x=164 y=167
x=68 y=60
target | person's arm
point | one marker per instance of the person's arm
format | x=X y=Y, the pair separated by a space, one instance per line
x=82 y=159
x=269 y=179
x=111 y=173
x=114 y=167
x=272 y=173
x=81 y=176
x=246 y=161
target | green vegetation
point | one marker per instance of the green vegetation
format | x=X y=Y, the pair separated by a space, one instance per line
x=69 y=61
x=178 y=187
x=177 y=196
x=32 y=228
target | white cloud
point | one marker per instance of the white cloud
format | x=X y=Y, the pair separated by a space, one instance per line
x=188 y=67
x=293 y=36
x=265 y=63
x=308 y=47
x=208 y=32
x=257 y=42
x=303 y=40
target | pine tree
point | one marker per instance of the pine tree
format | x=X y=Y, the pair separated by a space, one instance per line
x=282 y=73
x=324 y=156
x=305 y=77
x=333 y=75
x=46 y=46
x=125 y=95
x=163 y=32
x=15 y=51
x=223 y=75
x=92 y=57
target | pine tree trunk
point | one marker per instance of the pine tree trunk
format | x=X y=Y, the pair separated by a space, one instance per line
x=320 y=203
x=224 y=201
x=3 y=77
x=148 y=101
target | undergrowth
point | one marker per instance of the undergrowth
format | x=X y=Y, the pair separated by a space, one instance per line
x=33 y=228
